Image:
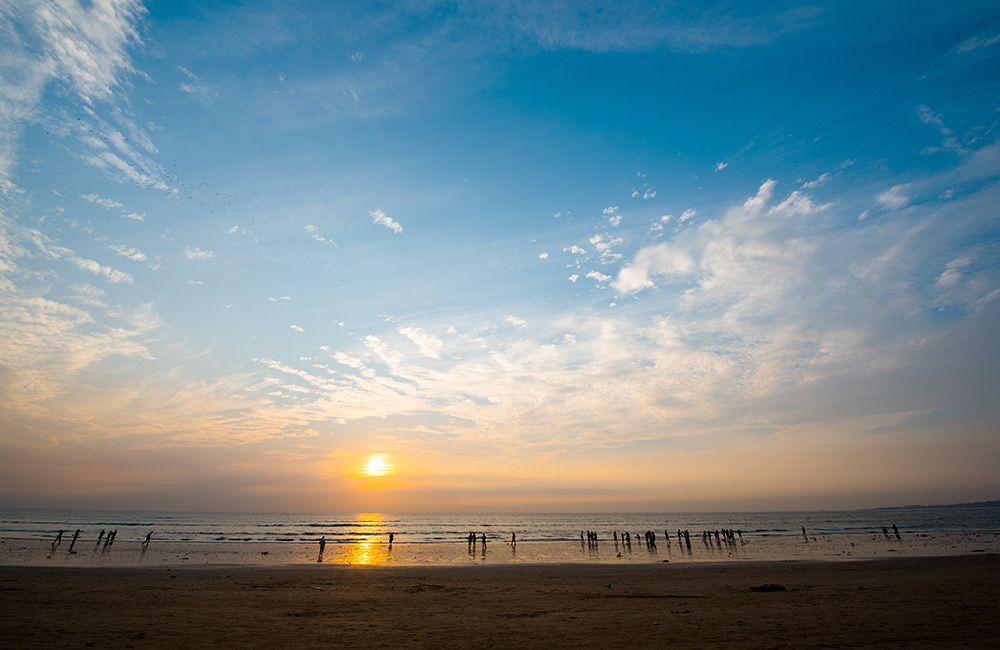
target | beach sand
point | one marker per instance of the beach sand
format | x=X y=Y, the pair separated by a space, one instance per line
x=909 y=602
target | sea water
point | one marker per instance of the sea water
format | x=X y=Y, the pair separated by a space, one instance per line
x=278 y=528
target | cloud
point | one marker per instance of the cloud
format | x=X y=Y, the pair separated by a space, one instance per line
x=82 y=49
x=976 y=42
x=516 y=321
x=687 y=215
x=129 y=253
x=391 y=357
x=428 y=344
x=104 y=203
x=197 y=253
x=821 y=180
x=761 y=198
x=543 y=256
x=576 y=250
x=799 y=203
x=314 y=233
x=87 y=43
x=604 y=245
x=574 y=277
x=720 y=166
x=894 y=198
x=296 y=328
x=597 y=275
x=113 y=275
x=272 y=299
x=382 y=219
x=658 y=260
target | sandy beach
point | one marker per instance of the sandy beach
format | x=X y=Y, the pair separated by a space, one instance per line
x=945 y=602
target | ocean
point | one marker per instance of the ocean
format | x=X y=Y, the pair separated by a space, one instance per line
x=284 y=528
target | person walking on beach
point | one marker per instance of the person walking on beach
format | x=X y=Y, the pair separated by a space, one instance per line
x=58 y=540
x=484 y=542
x=804 y=535
x=76 y=535
x=391 y=537
x=100 y=537
x=145 y=544
x=896 y=531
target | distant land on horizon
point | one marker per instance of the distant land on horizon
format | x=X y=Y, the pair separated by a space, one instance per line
x=976 y=504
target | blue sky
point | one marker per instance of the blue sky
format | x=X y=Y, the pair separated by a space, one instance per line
x=539 y=257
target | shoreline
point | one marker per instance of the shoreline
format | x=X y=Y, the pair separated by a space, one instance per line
x=835 y=548
x=915 y=602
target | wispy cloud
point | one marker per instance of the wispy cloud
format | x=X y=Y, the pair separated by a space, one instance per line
x=383 y=219
x=193 y=253
x=894 y=198
x=428 y=344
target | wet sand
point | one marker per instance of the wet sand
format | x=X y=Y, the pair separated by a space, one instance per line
x=921 y=602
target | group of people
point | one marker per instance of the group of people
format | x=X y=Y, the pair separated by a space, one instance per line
x=726 y=536
x=895 y=530
x=471 y=539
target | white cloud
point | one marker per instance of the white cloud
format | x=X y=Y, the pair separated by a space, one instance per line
x=822 y=180
x=348 y=360
x=429 y=344
x=720 y=166
x=382 y=219
x=610 y=210
x=597 y=275
x=391 y=357
x=296 y=328
x=603 y=247
x=799 y=203
x=894 y=198
x=649 y=194
x=129 y=253
x=687 y=215
x=652 y=261
x=615 y=220
x=576 y=250
x=759 y=200
x=976 y=42
x=113 y=275
x=952 y=274
x=516 y=321
x=104 y=203
x=543 y=256
x=574 y=277
x=197 y=254
x=272 y=299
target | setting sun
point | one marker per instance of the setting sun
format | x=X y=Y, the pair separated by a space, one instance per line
x=377 y=466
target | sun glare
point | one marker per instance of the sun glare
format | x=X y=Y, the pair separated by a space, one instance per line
x=377 y=466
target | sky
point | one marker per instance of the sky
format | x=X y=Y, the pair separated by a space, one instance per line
x=498 y=256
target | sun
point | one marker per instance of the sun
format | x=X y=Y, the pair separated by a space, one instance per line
x=377 y=465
